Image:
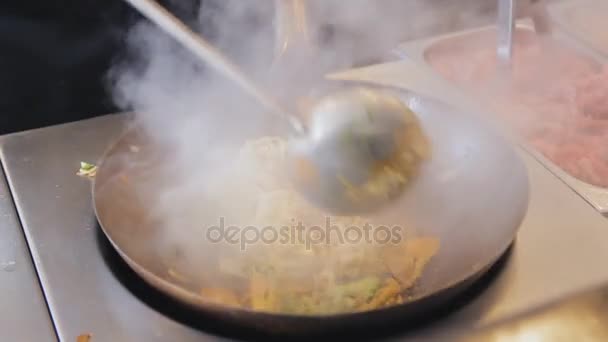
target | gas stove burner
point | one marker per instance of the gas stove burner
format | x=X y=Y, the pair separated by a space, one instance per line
x=437 y=307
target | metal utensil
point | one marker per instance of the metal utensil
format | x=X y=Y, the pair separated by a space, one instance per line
x=322 y=145
x=535 y=9
x=292 y=31
x=506 y=28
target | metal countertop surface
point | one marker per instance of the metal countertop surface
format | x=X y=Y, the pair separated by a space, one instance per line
x=561 y=248
x=581 y=317
x=84 y=297
x=23 y=312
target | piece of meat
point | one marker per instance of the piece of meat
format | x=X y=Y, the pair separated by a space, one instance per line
x=592 y=96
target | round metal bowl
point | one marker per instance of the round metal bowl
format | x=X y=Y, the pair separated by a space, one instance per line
x=472 y=195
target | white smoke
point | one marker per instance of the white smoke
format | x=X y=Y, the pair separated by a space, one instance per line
x=203 y=119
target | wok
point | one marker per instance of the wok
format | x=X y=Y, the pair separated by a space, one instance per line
x=472 y=195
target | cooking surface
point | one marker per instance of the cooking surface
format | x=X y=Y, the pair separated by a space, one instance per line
x=560 y=248
x=583 y=316
x=23 y=305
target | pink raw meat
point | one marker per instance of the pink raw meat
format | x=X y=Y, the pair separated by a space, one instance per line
x=556 y=99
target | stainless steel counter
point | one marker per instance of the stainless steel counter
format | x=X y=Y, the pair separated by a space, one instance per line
x=561 y=248
x=23 y=311
x=55 y=207
x=581 y=317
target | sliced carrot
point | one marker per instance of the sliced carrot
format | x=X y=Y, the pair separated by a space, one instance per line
x=84 y=338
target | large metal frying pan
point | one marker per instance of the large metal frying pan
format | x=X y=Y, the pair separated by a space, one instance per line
x=472 y=195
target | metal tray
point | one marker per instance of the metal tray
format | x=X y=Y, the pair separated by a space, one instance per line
x=567 y=14
x=416 y=50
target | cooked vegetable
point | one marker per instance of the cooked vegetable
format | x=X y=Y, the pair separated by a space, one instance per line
x=392 y=174
x=84 y=338
x=293 y=275
x=87 y=169
x=407 y=261
x=388 y=292
x=263 y=294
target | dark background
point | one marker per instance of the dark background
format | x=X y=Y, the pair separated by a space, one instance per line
x=54 y=56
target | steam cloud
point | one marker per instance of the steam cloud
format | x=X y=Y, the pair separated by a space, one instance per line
x=166 y=86
x=203 y=118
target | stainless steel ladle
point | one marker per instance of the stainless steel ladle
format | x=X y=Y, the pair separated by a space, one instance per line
x=351 y=136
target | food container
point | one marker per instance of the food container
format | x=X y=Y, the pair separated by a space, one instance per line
x=585 y=20
x=422 y=52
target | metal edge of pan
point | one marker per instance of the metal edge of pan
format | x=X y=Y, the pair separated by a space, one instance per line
x=594 y=195
x=277 y=323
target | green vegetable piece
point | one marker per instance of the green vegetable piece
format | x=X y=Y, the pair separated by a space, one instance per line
x=349 y=295
x=365 y=287
x=84 y=166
